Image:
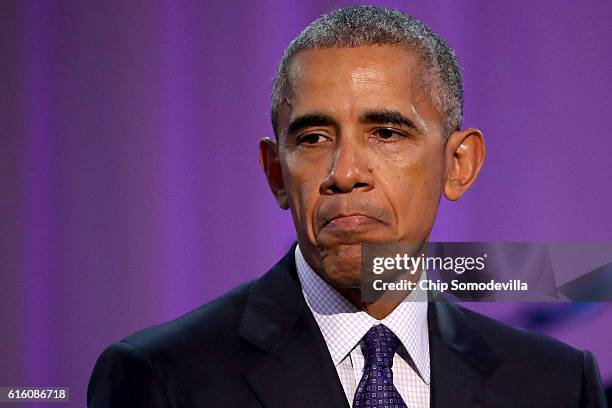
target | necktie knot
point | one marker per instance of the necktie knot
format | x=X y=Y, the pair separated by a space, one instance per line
x=376 y=389
x=381 y=345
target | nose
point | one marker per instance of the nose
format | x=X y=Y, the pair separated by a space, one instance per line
x=349 y=170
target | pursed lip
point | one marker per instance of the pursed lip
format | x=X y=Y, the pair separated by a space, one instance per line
x=353 y=218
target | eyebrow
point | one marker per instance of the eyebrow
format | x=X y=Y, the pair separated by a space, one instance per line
x=391 y=117
x=310 y=120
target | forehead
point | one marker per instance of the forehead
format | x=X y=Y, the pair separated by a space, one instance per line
x=347 y=81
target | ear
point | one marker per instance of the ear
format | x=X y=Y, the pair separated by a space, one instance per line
x=270 y=163
x=465 y=154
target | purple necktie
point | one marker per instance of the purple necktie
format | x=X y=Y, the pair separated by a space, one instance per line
x=376 y=389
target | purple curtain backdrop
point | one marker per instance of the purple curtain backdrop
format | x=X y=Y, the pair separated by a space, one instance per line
x=130 y=191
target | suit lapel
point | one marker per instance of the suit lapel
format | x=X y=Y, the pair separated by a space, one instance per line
x=288 y=364
x=461 y=361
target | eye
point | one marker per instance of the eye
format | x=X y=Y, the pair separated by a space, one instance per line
x=388 y=134
x=311 y=139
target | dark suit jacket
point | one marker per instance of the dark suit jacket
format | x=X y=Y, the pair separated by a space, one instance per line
x=259 y=346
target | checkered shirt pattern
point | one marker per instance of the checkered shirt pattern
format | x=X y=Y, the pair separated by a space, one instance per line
x=344 y=326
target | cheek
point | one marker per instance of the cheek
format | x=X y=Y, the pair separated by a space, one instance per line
x=414 y=191
x=303 y=193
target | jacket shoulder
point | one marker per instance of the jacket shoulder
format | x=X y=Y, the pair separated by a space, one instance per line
x=521 y=344
x=212 y=323
x=154 y=366
x=562 y=372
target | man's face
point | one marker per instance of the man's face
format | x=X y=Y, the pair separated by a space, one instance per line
x=362 y=154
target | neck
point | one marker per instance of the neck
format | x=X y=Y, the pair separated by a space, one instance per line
x=379 y=309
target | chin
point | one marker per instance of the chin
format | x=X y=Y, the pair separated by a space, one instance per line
x=342 y=266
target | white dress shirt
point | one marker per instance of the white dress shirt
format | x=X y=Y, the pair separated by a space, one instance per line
x=343 y=327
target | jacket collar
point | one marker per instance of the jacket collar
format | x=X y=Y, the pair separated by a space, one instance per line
x=461 y=361
x=290 y=364
x=274 y=305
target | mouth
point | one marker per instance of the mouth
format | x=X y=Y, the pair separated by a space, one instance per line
x=349 y=221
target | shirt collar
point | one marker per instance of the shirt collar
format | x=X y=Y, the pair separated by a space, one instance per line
x=343 y=325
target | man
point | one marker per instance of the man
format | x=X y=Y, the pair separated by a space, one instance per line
x=366 y=108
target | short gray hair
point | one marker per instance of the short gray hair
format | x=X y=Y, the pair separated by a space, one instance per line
x=372 y=25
